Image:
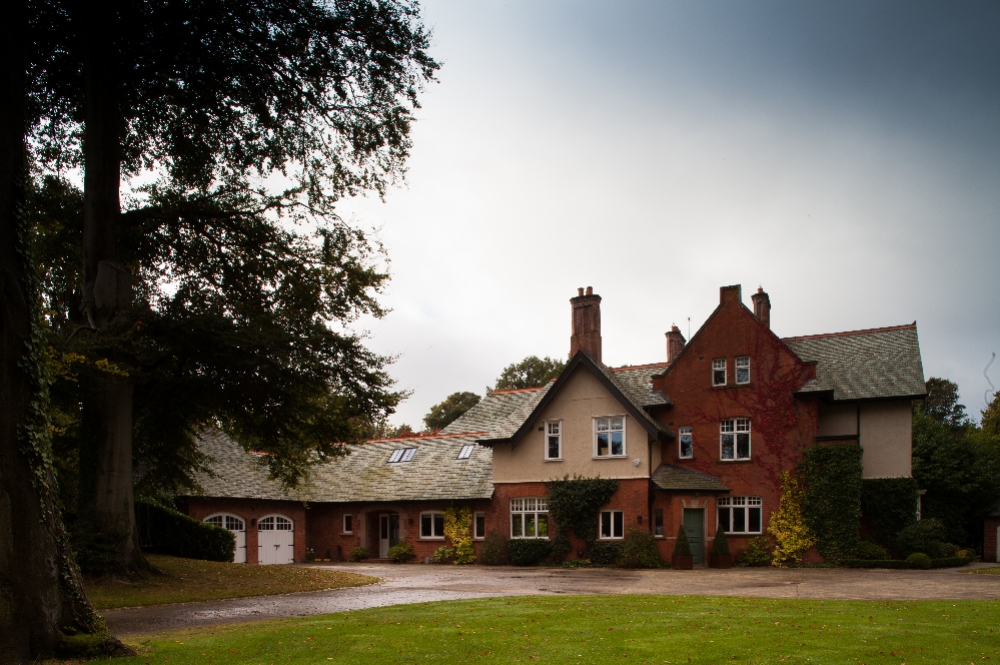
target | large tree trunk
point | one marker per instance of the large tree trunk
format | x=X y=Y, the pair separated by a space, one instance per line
x=41 y=597
x=106 y=282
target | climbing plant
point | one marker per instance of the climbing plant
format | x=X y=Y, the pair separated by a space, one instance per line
x=573 y=506
x=458 y=529
x=831 y=498
x=889 y=505
x=787 y=526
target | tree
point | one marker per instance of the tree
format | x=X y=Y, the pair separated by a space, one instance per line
x=942 y=403
x=529 y=373
x=990 y=421
x=320 y=94
x=443 y=414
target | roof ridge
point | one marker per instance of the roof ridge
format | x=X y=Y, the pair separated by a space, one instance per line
x=515 y=390
x=424 y=437
x=625 y=368
x=845 y=333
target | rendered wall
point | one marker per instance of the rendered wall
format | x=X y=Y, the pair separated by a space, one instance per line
x=887 y=439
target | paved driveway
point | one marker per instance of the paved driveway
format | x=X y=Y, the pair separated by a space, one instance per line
x=422 y=583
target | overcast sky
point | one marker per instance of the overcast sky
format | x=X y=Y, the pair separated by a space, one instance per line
x=844 y=156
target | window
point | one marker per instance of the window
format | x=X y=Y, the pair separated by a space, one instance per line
x=612 y=524
x=529 y=517
x=274 y=523
x=402 y=455
x=479 y=526
x=348 y=524
x=432 y=525
x=686 y=442
x=553 y=440
x=743 y=369
x=719 y=372
x=230 y=522
x=466 y=452
x=739 y=514
x=734 y=439
x=609 y=436
x=658 y=522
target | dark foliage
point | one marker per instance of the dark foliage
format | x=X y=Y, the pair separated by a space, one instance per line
x=494 y=550
x=528 y=551
x=919 y=560
x=942 y=403
x=756 y=553
x=529 y=373
x=720 y=546
x=360 y=554
x=831 y=503
x=638 y=550
x=443 y=414
x=98 y=542
x=574 y=503
x=166 y=530
x=402 y=552
x=928 y=537
x=604 y=553
x=682 y=547
x=888 y=505
x=869 y=551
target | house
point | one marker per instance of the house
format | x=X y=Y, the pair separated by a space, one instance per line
x=698 y=439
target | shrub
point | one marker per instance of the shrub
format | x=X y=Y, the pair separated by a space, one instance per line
x=875 y=563
x=528 y=551
x=926 y=536
x=757 y=552
x=494 y=550
x=171 y=532
x=458 y=530
x=682 y=547
x=791 y=535
x=638 y=550
x=950 y=562
x=869 y=551
x=443 y=555
x=604 y=553
x=888 y=505
x=99 y=544
x=721 y=544
x=360 y=553
x=402 y=552
x=948 y=551
x=831 y=500
x=465 y=553
x=919 y=560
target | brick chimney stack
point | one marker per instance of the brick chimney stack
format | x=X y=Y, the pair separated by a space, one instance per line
x=675 y=343
x=762 y=306
x=586 y=323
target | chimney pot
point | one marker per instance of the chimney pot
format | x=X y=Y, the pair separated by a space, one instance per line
x=762 y=307
x=586 y=335
x=579 y=291
x=590 y=290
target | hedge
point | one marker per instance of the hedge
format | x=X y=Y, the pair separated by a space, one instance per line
x=166 y=530
x=889 y=505
x=831 y=503
x=949 y=562
x=528 y=551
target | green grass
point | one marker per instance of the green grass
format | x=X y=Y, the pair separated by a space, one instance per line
x=187 y=580
x=604 y=629
x=984 y=571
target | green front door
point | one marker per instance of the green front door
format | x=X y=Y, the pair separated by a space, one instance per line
x=694 y=521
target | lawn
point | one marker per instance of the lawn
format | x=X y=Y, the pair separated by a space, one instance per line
x=984 y=571
x=186 y=580
x=604 y=629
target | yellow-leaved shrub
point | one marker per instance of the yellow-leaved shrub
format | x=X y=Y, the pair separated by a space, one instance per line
x=787 y=526
x=458 y=529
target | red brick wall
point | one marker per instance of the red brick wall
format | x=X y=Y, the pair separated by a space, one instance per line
x=990 y=526
x=251 y=510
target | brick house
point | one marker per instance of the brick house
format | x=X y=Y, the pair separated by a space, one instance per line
x=698 y=439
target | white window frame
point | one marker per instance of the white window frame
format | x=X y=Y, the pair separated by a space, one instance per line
x=612 y=535
x=343 y=524
x=466 y=452
x=681 y=433
x=476 y=534
x=658 y=528
x=555 y=425
x=719 y=364
x=433 y=515
x=276 y=522
x=525 y=509
x=400 y=455
x=227 y=521
x=742 y=363
x=744 y=504
x=737 y=428
x=598 y=421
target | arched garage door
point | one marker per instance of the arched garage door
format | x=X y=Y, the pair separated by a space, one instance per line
x=275 y=540
x=238 y=527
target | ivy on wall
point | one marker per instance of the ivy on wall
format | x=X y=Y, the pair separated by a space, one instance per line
x=458 y=529
x=831 y=501
x=889 y=505
x=573 y=506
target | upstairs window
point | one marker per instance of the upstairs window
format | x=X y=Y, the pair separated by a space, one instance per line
x=401 y=455
x=609 y=436
x=529 y=517
x=739 y=514
x=719 y=372
x=734 y=439
x=553 y=440
x=686 y=441
x=466 y=452
x=743 y=369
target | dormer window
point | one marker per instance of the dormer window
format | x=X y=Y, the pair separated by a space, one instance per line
x=466 y=452
x=401 y=455
x=743 y=369
x=719 y=372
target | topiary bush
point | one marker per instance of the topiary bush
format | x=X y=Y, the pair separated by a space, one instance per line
x=402 y=552
x=926 y=536
x=494 y=550
x=638 y=550
x=604 y=553
x=166 y=530
x=919 y=560
x=682 y=547
x=757 y=552
x=360 y=554
x=869 y=551
x=443 y=555
x=721 y=545
x=528 y=551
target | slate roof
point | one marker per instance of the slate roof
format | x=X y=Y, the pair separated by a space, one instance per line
x=637 y=383
x=864 y=364
x=434 y=473
x=670 y=477
x=500 y=413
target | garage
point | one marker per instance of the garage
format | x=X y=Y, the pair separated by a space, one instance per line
x=275 y=540
x=238 y=527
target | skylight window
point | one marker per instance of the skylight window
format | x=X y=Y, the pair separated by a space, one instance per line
x=402 y=455
x=466 y=452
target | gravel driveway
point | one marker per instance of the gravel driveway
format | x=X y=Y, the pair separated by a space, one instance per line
x=422 y=583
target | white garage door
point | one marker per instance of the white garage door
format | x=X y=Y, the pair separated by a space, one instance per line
x=238 y=527
x=275 y=540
